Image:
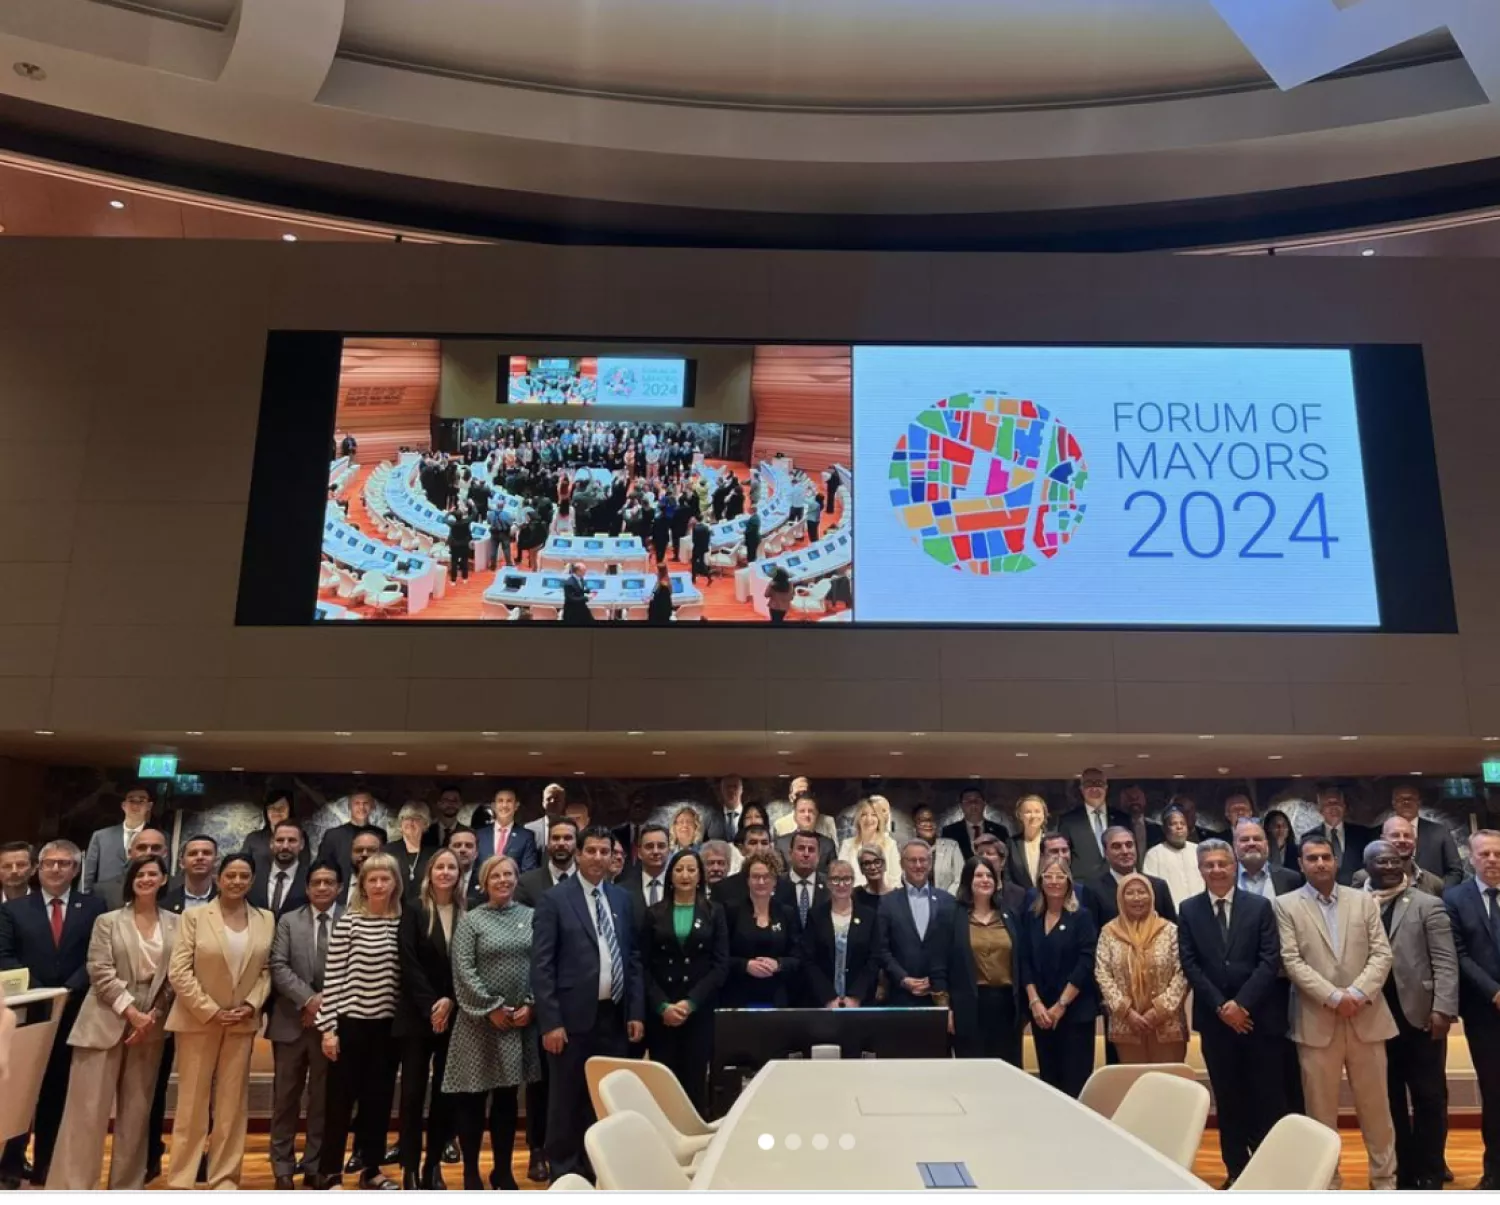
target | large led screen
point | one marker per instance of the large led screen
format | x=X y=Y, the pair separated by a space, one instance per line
x=1111 y=486
x=835 y=484
x=596 y=381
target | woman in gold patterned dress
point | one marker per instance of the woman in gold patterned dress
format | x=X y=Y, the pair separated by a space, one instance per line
x=1140 y=978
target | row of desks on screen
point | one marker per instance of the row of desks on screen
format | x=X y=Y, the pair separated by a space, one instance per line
x=422 y=576
x=403 y=494
x=832 y=554
x=614 y=591
x=773 y=513
x=596 y=553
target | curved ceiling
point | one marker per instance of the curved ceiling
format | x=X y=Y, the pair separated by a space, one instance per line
x=652 y=115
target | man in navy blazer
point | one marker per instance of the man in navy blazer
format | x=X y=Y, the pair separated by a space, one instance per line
x=588 y=1001
x=1474 y=908
x=914 y=932
x=1239 y=1001
x=515 y=840
x=27 y=940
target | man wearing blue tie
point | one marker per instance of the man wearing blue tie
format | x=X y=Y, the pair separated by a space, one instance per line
x=590 y=997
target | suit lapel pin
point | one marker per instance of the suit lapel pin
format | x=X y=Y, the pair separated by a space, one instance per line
x=697 y=924
x=856 y=920
x=1061 y=928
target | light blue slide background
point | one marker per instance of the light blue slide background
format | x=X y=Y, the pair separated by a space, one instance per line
x=1093 y=580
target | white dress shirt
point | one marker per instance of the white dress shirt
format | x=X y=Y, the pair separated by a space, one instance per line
x=1258 y=884
x=606 y=961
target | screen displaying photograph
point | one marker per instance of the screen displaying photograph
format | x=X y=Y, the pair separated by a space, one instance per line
x=438 y=513
x=1207 y=486
x=596 y=381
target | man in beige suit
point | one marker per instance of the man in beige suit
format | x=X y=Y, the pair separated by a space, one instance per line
x=1336 y=954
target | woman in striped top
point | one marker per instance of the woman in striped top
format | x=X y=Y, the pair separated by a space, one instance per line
x=361 y=991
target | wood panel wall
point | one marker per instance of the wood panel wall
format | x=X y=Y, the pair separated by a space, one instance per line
x=387 y=390
x=803 y=399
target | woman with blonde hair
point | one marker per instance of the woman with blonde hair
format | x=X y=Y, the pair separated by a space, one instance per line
x=221 y=973
x=361 y=996
x=425 y=1019
x=495 y=1048
x=1057 y=975
x=687 y=828
x=869 y=829
x=1141 y=980
x=1025 y=860
x=117 y=1038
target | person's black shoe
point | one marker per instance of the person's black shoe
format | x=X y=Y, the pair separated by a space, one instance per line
x=285 y=1184
x=1447 y=1173
x=537 y=1170
x=377 y=1180
x=321 y=1183
x=27 y=1171
x=409 y=1181
x=393 y=1154
x=354 y=1164
x=1488 y=1183
x=450 y=1153
x=432 y=1178
x=501 y=1178
x=153 y=1170
x=10 y=1184
x=203 y=1170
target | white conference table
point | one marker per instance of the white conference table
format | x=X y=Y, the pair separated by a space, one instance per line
x=866 y=1124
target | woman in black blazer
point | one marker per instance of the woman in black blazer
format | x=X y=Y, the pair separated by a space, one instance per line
x=424 y=1019
x=764 y=945
x=828 y=984
x=984 y=973
x=685 y=949
x=1057 y=975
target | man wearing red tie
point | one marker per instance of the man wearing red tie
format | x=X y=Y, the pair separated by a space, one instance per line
x=974 y=824
x=47 y=932
x=504 y=836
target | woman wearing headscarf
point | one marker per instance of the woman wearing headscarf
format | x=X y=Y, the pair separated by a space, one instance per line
x=1141 y=981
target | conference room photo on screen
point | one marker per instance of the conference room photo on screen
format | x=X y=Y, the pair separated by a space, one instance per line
x=1111 y=486
x=531 y=481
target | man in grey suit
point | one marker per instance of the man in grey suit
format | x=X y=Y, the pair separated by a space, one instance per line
x=1256 y=874
x=148 y=841
x=1401 y=835
x=297 y=956
x=554 y=807
x=1436 y=850
x=1337 y=956
x=109 y=848
x=1422 y=993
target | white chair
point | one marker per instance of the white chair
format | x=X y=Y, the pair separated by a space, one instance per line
x=812 y=600
x=660 y=1082
x=328 y=576
x=1107 y=1086
x=726 y=558
x=629 y=1155
x=572 y=1182
x=1298 y=1155
x=1167 y=1113
x=348 y=586
x=379 y=591
x=625 y=1092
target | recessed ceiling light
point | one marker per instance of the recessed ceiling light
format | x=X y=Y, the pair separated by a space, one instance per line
x=533 y=753
x=442 y=765
x=578 y=773
x=973 y=776
x=1205 y=736
x=117 y=204
x=478 y=773
x=45 y=732
x=1109 y=765
x=1490 y=738
x=336 y=733
x=635 y=732
x=1023 y=755
x=236 y=769
x=918 y=734
x=288 y=238
x=194 y=732
x=398 y=753
x=1296 y=776
x=1062 y=736
x=658 y=753
x=685 y=774
x=1415 y=773
x=1367 y=252
x=783 y=776
x=1274 y=756
x=356 y=771
x=783 y=753
x=783 y=732
x=896 y=753
x=1179 y=776
x=1143 y=756
x=1223 y=769
x=489 y=734
x=1348 y=738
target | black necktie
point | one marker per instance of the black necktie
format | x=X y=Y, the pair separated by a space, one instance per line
x=280 y=893
x=1221 y=907
x=1492 y=893
x=322 y=950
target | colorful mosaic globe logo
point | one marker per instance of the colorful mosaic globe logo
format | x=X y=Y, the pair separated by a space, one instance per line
x=988 y=483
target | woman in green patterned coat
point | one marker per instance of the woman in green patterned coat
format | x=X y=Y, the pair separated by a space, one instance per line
x=494 y=1048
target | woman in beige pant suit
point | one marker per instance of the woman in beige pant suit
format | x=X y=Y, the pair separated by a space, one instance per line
x=221 y=973
x=117 y=1038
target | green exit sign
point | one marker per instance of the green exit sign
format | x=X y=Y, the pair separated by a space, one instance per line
x=1492 y=771
x=164 y=765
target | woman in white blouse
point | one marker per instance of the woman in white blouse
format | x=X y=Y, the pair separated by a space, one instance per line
x=1026 y=848
x=220 y=969
x=869 y=830
x=1175 y=860
x=117 y=1038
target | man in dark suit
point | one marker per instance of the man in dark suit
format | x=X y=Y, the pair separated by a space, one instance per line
x=639 y=812
x=367 y=843
x=1474 y=909
x=752 y=537
x=503 y=835
x=974 y=823
x=826 y=851
x=561 y=863
x=914 y=933
x=1147 y=833
x=149 y=841
x=281 y=886
x=645 y=880
x=1085 y=826
x=723 y=823
x=1119 y=849
x=197 y=884
x=17 y=869
x=734 y=890
x=590 y=996
x=464 y=844
x=575 y=608
x=804 y=883
x=338 y=842
x=450 y=802
x=47 y=933
x=1231 y=954
x=702 y=536
x=1256 y=874
x=1348 y=840
x=1437 y=851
